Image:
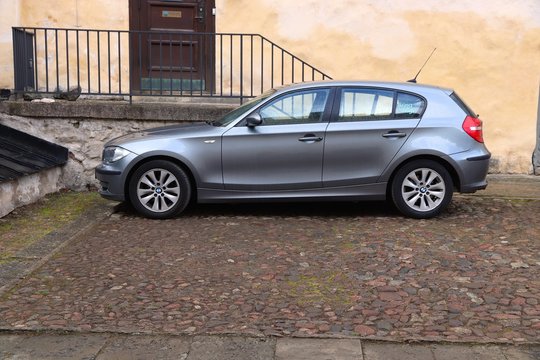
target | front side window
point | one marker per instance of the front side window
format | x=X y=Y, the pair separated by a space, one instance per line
x=233 y=115
x=365 y=104
x=296 y=108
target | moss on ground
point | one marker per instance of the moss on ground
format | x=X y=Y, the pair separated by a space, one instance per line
x=31 y=223
x=330 y=288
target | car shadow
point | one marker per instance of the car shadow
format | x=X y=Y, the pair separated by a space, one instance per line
x=282 y=209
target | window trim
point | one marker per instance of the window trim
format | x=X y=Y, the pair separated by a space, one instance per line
x=462 y=104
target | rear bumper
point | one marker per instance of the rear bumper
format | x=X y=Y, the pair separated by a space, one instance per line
x=473 y=170
x=474 y=187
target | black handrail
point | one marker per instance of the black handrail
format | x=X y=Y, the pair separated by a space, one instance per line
x=155 y=63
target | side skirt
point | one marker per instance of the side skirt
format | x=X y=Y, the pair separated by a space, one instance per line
x=375 y=191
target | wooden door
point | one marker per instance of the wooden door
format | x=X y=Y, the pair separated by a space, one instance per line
x=172 y=45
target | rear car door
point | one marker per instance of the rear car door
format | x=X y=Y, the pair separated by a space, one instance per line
x=285 y=152
x=367 y=129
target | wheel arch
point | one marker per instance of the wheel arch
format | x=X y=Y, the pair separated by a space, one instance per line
x=447 y=165
x=174 y=160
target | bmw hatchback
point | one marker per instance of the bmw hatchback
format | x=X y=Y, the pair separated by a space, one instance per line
x=413 y=144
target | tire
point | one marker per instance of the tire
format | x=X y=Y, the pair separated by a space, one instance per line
x=422 y=189
x=159 y=189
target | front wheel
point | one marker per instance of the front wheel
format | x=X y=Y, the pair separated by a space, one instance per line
x=159 y=189
x=422 y=189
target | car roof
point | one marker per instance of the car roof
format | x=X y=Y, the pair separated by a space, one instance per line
x=405 y=86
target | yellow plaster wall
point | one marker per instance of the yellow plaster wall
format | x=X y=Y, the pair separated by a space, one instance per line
x=9 y=16
x=94 y=14
x=487 y=50
x=75 y=14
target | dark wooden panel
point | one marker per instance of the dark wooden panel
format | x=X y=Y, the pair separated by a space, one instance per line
x=175 y=17
x=165 y=54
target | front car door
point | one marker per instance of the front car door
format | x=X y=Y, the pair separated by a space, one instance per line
x=366 y=131
x=285 y=152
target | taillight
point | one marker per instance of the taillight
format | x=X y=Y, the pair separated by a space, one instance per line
x=473 y=127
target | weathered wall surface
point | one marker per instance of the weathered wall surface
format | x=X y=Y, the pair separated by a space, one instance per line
x=9 y=16
x=84 y=139
x=488 y=50
x=84 y=128
x=28 y=189
x=73 y=14
x=536 y=153
x=92 y=14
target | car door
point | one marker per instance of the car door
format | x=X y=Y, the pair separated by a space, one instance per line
x=285 y=151
x=367 y=129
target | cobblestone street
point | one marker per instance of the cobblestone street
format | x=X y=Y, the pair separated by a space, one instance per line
x=298 y=269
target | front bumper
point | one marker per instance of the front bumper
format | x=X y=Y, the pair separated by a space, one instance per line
x=109 y=179
x=113 y=178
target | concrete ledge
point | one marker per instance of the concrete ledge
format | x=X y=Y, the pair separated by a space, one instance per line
x=28 y=189
x=84 y=126
x=115 y=110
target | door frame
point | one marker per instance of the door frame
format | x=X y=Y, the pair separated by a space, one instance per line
x=208 y=50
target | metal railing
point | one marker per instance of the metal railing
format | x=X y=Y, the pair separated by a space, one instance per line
x=152 y=63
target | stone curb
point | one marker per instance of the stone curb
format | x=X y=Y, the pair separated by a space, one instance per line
x=47 y=345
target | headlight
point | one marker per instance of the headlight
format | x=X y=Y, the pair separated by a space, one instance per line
x=114 y=153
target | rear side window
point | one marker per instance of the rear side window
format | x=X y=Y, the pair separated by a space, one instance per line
x=409 y=106
x=378 y=104
x=454 y=96
x=365 y=104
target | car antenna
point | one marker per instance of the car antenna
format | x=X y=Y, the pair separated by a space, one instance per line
x=418 y=73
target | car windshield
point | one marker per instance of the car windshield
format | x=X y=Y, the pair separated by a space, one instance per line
x=233 y=115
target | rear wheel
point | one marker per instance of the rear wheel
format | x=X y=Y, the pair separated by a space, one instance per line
x=159 y=189
x=422 y=189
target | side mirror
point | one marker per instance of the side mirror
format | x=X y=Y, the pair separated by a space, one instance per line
x=253 y=120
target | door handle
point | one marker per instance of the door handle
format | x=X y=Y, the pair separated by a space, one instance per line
x=394 y=134
x=310 y=138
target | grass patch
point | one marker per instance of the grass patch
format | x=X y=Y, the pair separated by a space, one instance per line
x=330 y=288
x=31 y=223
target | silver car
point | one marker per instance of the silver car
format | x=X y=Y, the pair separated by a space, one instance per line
x=414 y=144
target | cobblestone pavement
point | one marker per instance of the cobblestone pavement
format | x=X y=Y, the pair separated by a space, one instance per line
x=303 y=270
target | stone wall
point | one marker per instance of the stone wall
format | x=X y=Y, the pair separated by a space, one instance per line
x=536 y=153
x=83 y=127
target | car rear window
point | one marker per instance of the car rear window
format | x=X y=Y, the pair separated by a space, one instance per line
x=454 y=96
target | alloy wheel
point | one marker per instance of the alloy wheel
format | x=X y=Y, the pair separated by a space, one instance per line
x=423 y=189
x=158 y=190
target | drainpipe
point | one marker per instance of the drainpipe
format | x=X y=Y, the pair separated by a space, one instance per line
x=536 y=154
